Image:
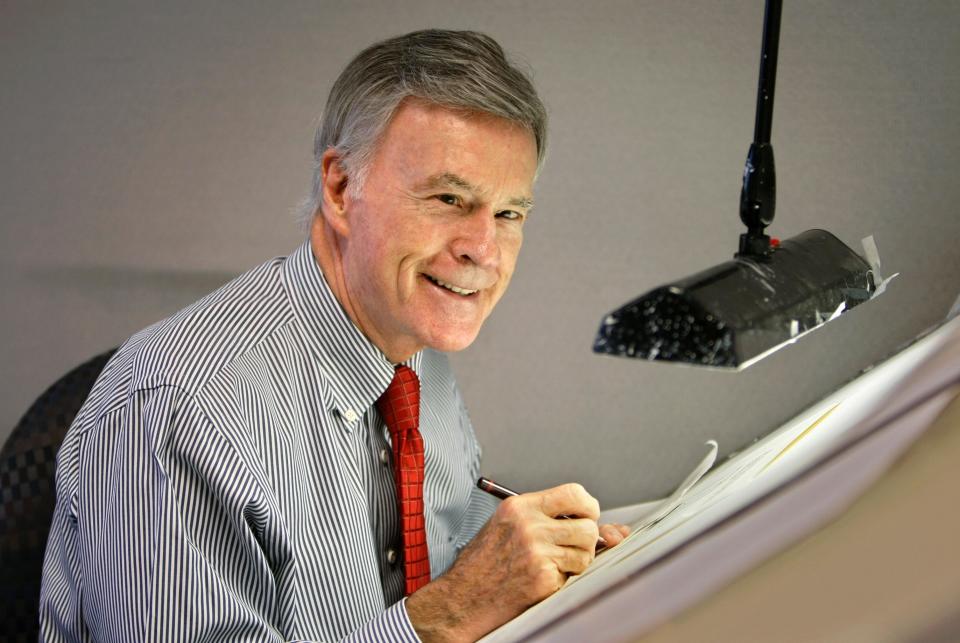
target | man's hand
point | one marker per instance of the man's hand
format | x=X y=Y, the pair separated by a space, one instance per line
x=522 y=555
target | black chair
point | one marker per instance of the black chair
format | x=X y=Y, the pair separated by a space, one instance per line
x=28 y=496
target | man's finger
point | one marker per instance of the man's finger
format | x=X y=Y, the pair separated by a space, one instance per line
x=614 y=534
x=572 y=560
x=575 y=532
x=569 y=500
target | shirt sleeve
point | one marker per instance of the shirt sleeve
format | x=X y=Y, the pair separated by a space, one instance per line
x=393 y=625
x=163 y=532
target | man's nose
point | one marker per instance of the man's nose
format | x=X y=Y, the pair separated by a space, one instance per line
x=476 y=239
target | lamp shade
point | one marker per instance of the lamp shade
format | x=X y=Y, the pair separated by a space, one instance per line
x=735 y=313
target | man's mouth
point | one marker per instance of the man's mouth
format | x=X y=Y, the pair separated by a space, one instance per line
x=465 y=292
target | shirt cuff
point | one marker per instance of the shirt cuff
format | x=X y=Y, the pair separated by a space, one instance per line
x=390 y=626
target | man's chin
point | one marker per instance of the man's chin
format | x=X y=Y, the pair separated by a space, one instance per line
x=452 y=341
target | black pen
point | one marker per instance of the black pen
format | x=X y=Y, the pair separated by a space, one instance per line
x=499 y=491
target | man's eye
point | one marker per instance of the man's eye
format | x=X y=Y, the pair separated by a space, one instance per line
x=509 y=215
x=449 y=199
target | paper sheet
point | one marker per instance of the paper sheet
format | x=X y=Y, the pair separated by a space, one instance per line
x=661 y=510
x=753 y=472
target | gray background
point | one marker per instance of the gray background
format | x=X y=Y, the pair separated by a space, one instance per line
x=149 y=152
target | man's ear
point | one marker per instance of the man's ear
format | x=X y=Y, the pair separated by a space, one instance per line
x=334 y=192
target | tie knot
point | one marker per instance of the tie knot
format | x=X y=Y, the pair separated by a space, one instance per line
x=400 y=403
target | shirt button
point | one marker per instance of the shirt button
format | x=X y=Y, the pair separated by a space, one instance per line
x=384 y=456
x=350 y=415
x=391 y=556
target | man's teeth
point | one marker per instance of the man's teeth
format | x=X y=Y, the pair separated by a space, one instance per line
x=456 y=289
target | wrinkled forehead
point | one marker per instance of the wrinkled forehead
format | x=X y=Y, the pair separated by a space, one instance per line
x=473 y=151
x=469 y=114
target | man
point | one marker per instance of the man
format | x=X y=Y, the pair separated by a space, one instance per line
x=238 y=473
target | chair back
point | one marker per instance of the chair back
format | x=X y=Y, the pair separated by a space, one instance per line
x=28 y=495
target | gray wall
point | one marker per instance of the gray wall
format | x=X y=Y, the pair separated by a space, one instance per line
x=148 y=153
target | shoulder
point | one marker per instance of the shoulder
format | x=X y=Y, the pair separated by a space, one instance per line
x=186 y=350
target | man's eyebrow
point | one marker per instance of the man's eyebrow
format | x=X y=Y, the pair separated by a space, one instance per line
x=521 y=202
x=448 y=180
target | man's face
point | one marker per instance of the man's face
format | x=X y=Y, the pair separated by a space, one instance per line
x=434 y=235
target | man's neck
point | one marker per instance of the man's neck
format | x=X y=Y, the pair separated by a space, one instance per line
x=326 y=252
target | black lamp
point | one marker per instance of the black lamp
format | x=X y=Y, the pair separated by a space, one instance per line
x=731 y=315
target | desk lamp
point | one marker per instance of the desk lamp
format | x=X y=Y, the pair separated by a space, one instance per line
x=733 y=314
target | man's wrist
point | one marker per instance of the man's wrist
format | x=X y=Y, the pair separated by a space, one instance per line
x=434 y=613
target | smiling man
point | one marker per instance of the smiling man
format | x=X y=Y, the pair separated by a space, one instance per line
x=420 y=256
x=290 y=458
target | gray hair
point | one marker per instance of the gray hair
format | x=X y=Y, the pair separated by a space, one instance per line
x=462 y=70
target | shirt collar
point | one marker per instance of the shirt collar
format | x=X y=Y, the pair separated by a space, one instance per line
x=356 y=371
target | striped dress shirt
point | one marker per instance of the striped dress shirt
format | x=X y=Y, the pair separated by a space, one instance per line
x=229 y=477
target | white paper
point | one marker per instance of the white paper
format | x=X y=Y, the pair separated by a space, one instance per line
x=870 y=400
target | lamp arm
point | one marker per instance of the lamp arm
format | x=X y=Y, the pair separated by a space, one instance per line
x=758 y=197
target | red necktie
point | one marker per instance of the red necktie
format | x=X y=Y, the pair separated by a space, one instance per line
x=400 y=408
